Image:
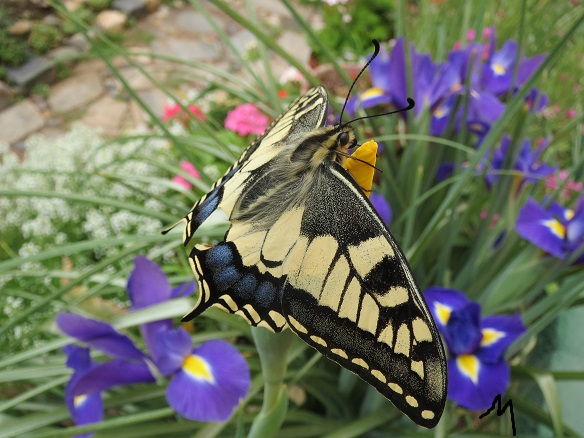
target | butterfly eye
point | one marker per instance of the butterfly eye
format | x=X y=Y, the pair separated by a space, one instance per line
x=343 y=139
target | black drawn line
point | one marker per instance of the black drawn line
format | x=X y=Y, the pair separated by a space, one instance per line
x=497 y=402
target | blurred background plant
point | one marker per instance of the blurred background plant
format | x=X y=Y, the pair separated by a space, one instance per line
x=487 y=207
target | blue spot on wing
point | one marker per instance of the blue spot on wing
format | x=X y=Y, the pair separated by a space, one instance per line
x=224 y=278
x=246 y=287
x=219 y=256
x=266 y=294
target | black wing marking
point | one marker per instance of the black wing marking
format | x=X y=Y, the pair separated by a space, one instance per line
x=305 y=114
x=350 y=294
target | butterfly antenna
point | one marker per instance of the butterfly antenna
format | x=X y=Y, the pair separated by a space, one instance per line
x=375 y=53
x=411 y=105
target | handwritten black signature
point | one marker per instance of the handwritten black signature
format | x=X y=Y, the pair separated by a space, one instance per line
x=500 y=411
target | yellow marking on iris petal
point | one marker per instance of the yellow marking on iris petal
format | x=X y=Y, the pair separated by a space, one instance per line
x=78 y=400
x=339 y=352
x=395 y=388
x=421 y=330
x=297 y=326
x=491 y=336
x=442 y=313
x=440 y=112
x=498 y=69
x=315 y=265
x=386 y=335
x=331 y=293
x=378 y=375
x=556 y=228
x=369 y=315
x=418 y=368
x=198 y=368
x=395 y=296
x=283 y=235
x=428 y=415
x=402 y=341
x=568 y=214
x=371 y=92
x=469 y=365
x=360 y=362
x=350 y=304
x=278 y=318
x=361 y=172
x=411 y=401
x=369 y=253
x=318 y=340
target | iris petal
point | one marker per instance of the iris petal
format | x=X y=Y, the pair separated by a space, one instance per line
x=492 y=379
x=502 y=331
x=533 y=225
x=211 y=398
x=99 y=335
x=175 y=346
x=442 y=301
x=147 y=284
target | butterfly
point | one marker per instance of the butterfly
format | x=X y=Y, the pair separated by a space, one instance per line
x=306 y=250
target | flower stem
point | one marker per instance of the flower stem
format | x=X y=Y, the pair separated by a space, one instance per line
x=273 y=352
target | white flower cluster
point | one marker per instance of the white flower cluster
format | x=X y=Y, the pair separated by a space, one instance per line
x=79 y=163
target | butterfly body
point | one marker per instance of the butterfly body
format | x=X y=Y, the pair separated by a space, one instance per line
x=306 y=250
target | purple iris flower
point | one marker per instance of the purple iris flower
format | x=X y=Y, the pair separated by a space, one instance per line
x=206 y=382
x=477 y=371
x=527 y=162
x=382 y=207
x=557 y=230
x=498 y=71
x=536 y=101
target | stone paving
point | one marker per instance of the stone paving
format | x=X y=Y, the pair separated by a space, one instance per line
x=92 y=95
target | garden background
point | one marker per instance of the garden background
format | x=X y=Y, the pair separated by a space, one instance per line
x=132 y=123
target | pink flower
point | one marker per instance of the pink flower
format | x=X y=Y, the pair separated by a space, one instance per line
x=570 y=187
x=246 y=119
x=570 y=113
x=191 y=170
x=174 y=110
x=471 y=34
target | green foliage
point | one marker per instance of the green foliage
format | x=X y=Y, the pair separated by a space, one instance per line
x=98 y=5
x=349 y=28
x=44 y=37
x=13 y=51
x=84 y=15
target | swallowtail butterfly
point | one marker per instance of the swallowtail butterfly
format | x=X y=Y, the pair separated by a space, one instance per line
x=307 y=251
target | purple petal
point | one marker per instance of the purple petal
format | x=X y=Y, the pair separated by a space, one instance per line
x=484 y=106
x=379 y=69
x=462 y=332
x=372 y=97
x=538 y=226
x=210 y=384
x=147 y=284
x=172 y=347
x=98 y=335
x=83 y=409
x=441 y=115
x=382 y=207
x=499 y=331
x=527 y=67
x=536 y=101
x=498 y=72
x=474 y=384
x=184 y=290
x=109 y=374
x=396 y=79
x=444 y=171
x=442 y=301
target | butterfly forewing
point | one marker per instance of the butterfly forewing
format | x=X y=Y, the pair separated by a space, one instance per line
x=307 y=250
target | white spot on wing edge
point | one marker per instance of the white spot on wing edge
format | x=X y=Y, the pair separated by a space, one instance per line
x=339 y=352
x=412 y=401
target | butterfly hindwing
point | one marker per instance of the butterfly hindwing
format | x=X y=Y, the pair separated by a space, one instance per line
x=350 y=294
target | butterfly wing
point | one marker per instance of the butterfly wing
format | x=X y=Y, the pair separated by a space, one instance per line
x=243 y=274
x=304 y=115
x=350 y=294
